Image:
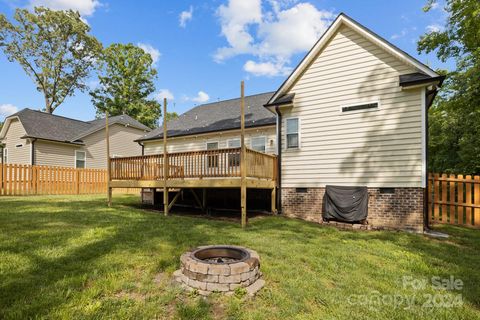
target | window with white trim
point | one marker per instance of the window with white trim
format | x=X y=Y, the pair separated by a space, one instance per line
x=80 y=159
x=259 y=143
x=291 y=130
x=212 y=159
x=234 y=158
x=5 y=155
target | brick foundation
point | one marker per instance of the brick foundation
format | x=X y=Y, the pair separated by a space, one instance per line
x=402 y=209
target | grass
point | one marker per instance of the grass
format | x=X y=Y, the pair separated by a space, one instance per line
x=72 y=257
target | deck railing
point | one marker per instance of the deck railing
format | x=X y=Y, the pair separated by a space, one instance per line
x=195 y=165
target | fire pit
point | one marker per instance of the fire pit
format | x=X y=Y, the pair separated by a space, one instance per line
x=220 y=269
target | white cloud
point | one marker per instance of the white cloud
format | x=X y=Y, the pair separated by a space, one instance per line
x=271 y=35
x=402 y=34
x=434 y=28
x=434 y=5
x=268 y=69
x=7 y=109
x=201 y=97
x=185 y=16
x=154 y=53
x=164 y=93
x=84 y=7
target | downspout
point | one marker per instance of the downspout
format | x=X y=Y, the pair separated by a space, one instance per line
x=426 y=222
x=143 y=147
x=279 y=159
x=32 y=160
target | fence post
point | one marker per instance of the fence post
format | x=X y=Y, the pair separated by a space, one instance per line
x=476 y=186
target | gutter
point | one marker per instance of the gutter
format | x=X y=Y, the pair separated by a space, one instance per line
x=279 y=159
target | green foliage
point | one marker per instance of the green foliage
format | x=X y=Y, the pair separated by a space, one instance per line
x=454 y=125
x=170 y=116
x=53 y=47
x=126 y=80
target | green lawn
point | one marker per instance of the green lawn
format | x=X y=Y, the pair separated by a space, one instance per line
x=72 y=257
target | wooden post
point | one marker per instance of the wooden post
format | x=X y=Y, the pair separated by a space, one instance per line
x=274 y=201
x=243 y=157
x=109 y=189
x=165 y=159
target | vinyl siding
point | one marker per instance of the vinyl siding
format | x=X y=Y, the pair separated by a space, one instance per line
x=196 y=143
x=55 y=154
x=376 y=148
x=18 y=155
x=121 y=144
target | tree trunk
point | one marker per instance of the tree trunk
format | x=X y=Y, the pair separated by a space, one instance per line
x=48 y=107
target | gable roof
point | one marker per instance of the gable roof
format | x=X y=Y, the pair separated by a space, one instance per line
x=218 y=116
x=343 y=19
x=41 y=125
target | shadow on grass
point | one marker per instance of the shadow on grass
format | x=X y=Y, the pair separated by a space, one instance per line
x=33 y=227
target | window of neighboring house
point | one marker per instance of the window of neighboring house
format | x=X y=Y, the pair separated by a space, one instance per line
x=80 y=159
x=5 y=155
x=292 y=133
x=259 y=143
x=234 y=158
x=212 y=160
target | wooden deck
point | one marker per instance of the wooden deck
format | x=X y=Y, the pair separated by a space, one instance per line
x=197 y=169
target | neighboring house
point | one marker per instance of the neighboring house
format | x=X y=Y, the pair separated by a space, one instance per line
x=39 y=138
x=352 y=113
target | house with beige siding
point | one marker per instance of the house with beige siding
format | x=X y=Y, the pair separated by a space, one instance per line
x=37 y=138
x=352 y=114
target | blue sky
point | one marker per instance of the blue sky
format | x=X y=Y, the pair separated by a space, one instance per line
x=204 y=48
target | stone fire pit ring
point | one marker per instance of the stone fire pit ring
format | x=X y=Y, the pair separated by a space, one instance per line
x=220 y=268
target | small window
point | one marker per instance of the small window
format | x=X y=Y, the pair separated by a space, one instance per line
x=387 y=190
x=5 y=155
x=358 y=107
x=80 y=159
x=212 y=160
x=292 y=133
x=234 y=158
x=259 y=143
x=301 y=190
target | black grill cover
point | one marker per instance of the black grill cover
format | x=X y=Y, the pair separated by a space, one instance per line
x=348 y=204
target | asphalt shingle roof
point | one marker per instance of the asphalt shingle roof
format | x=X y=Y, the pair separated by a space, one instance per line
x=47 y=126
x=218 y=116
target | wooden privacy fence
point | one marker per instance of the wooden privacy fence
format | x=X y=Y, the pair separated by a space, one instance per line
x=454 y=199
x=18 y=179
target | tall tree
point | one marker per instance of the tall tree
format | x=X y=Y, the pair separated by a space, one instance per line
x=126 y=80
x=455 y=117
x=53 y=47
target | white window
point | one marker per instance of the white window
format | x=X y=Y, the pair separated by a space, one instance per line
x=234 y=158
x=259 y=143
x=5 y=155
x=292 y=135
x=80 y=159
x=212 y=159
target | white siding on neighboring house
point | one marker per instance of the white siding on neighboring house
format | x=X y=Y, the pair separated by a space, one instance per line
x=55 y=154
x=121 y=145
x=19 y=151
x=199 y=142
x=372 y=147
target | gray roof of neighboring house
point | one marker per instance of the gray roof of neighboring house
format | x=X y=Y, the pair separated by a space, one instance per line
x=47 y=126
x=415 y=78
x=218 y=116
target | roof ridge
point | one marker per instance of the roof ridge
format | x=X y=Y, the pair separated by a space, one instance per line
x=54 y=115
x=230 y=99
